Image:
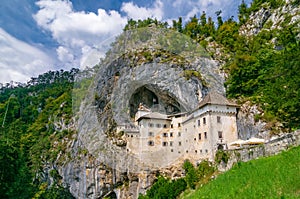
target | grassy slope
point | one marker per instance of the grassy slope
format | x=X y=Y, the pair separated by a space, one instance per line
x=272 y=177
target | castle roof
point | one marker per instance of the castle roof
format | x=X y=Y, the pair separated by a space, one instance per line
x=154 y=115
x=216 y=99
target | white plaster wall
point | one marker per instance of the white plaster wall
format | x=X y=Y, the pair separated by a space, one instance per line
x=191 y=146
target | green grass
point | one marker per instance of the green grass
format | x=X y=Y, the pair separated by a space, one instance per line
x=272 y=177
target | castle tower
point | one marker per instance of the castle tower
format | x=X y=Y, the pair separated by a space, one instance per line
x=212 y=125
x=142 y=110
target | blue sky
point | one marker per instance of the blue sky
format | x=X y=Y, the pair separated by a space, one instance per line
x=41 y=35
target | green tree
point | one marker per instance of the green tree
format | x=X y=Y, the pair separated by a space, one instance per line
x=178 y=25
x=243 y=13
x=191 y=176
x=192 y=27
x=219 y=18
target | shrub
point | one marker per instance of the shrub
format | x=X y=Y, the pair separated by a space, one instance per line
x=222 y=156
x=165 y=188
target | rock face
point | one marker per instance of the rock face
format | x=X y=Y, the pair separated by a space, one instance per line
x=247 y=124
x=268 y=18
x=165 y=71
x=166 y=81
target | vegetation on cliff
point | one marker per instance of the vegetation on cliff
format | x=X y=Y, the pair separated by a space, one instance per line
x=261 y=67
x=166 y=188
x=30 y=139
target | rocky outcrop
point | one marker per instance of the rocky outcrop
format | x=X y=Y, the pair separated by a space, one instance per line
x=268 y=18
x=249 y=123
x=172 y=79
x=164 y=70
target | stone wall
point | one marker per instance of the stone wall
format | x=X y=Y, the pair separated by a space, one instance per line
x=272 y=147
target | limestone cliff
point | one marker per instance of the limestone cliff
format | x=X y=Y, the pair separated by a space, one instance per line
x=146 y=66
x=269 y=18
x=167 y=72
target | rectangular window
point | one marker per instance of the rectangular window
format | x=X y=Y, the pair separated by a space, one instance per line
x=171 y=134
x=204 y=120
x=171 y=143
x=165 y=126
x=220 y=134
x=218 y=119
x=179 y=143
x=165 y=143
x=150 y=124
x=158 y=125
x=198 y=122
x=151 y=143
x=199 y=136
x=165 y=134
x=179 y=134
x=205 y=135
x=171 y=126
x=150 y=134
x=179 y=124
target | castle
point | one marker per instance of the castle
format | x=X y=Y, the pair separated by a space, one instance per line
x=159 y=139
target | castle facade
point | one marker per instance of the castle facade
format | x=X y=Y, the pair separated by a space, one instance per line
x=159 y=139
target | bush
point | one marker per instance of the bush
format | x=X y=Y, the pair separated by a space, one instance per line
x=222 y=156
x=165 y=188
x=205 y=168
x=191 y=175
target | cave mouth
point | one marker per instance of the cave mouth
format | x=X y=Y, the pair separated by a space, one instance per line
x=155 y=99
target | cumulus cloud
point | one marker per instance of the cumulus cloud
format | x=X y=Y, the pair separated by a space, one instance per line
x=81 y=34
x=19 y=61
x=77 y=32
x=135 y=12
x=64 y=55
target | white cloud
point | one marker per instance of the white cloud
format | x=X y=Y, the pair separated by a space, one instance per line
x=19 y=61
x=64 y=55
x=77 y=32
x=135 y=12
x=80 y=34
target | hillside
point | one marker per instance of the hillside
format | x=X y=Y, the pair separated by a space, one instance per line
x=271 y=177
x=58 y=131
